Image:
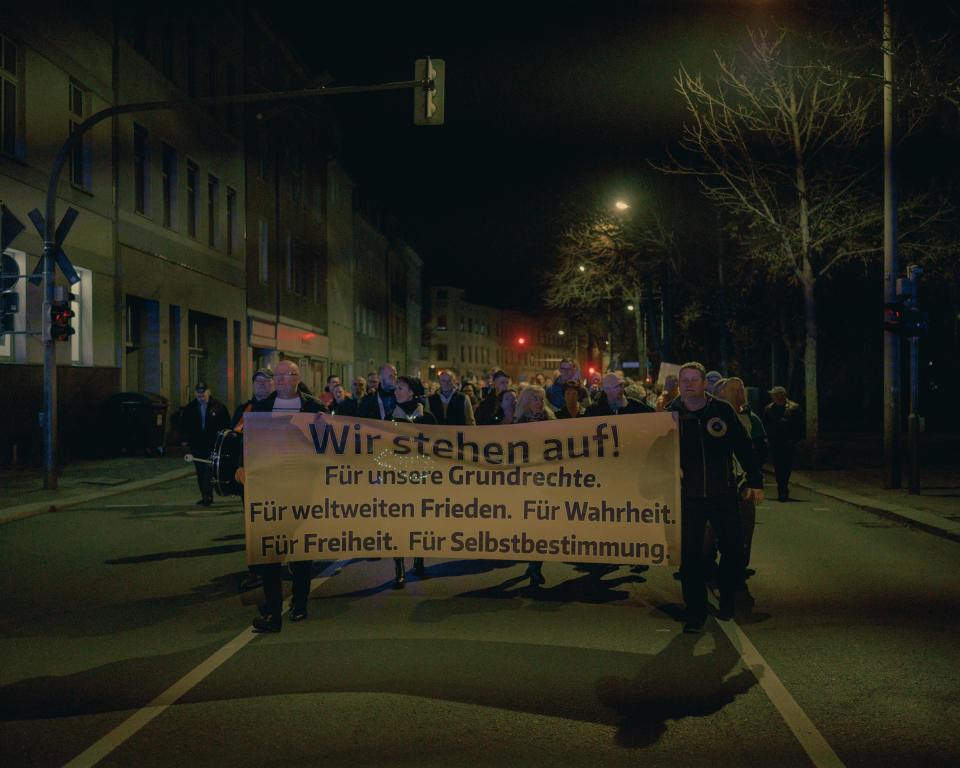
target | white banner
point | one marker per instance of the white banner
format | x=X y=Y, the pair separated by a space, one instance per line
x=601 y=489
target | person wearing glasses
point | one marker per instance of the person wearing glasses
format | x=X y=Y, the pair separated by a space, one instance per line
x=286 y=397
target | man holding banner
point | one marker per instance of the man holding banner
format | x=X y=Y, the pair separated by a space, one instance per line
x=710 y=435
x=285 y=398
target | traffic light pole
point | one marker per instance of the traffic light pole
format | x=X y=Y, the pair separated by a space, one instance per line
x=51 y=246
x=891 y=344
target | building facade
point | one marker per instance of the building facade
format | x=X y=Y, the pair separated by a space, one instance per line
x=211 y=239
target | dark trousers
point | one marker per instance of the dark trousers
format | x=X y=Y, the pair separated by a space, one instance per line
x=204 y=478
x=272 y=575
x=723 y=514
x=782 y=456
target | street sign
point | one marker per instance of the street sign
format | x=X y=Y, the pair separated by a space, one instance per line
x=63 y=262
x=10 y=227
x=9 y=273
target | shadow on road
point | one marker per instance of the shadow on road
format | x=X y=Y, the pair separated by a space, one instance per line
x=638 y=694
x=674 y=684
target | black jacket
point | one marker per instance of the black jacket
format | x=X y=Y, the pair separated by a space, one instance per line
x=602 y=407
x=456 y=409
x=369 y=407
x=203 y=436
x=308 y=404
x=709 y=438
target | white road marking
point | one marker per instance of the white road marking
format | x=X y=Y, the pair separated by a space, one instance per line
x=100 y=749
x=812 y=741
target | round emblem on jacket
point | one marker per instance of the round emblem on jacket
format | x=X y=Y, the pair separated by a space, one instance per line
x=716 y=427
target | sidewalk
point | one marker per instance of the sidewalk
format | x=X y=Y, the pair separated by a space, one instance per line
x=936 y=509
x=84 y=480
x=851 y=470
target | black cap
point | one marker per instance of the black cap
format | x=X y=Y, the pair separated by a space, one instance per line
x=201 y=386
x=265 y=372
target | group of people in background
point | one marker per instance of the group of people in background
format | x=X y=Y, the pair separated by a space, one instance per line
x=723 y=443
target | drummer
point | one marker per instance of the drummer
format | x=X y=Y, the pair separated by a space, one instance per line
x=285 y=398
x=262 y=389
x=200 y=422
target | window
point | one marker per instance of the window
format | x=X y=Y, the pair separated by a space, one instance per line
x=141 y=170
x=168 y=176
x=212 y=77
x=193 y=181
x=441 y=351
x=232 y=224
x=213 y=204
x=320 y=280
x=191 y=63
x=166 y=51
x=296 y=179
x=441 y=322
x=81 y=343
x=80 y=175
x=230 y=77
x=289 y=261
x=264 y=251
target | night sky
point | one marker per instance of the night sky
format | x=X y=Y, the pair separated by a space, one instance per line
x=543 y=104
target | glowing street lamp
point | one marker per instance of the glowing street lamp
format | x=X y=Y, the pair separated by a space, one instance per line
x=582 y=268
x=621 y=206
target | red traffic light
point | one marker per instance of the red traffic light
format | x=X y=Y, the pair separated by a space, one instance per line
x=60 y=316
x=521 y=341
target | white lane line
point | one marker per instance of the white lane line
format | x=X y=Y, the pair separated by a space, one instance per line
x=812 y=741
x=100 y=749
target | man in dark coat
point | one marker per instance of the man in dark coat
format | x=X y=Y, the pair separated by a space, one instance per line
x=285 y=398
x=449 y=406
x=613 y=401
x=783 y=420
x=710 y=436
x=489 y=411
x=262 y=388
x=380 y=401
x=200 y=422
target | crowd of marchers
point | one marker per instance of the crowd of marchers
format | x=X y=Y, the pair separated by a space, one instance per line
x=723 y=444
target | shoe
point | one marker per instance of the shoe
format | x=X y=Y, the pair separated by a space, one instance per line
x=206 y=501
x=264 y=624
x=400 y=578
x=693 y=627
x=536 y=577
x=418 y=568
x=298 y=613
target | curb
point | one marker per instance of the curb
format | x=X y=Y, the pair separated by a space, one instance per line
x=22 y=511
x=927 y=522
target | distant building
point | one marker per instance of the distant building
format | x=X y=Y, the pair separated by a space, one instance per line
x=473 y=339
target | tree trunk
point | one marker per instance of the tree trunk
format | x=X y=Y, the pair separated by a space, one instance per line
x=810 y=361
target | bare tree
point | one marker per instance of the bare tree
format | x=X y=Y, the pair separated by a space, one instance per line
x=773 y=139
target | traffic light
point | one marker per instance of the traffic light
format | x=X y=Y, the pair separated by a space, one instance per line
x=908 y=322
x=60 y=316
x=893 y=317
x=9 y=298
x=9 y=306
x=521 y=340
x=428 y=100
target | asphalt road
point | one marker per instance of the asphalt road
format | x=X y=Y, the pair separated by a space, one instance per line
x=849 y=655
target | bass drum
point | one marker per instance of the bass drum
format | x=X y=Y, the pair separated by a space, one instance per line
x=225 y=460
